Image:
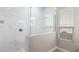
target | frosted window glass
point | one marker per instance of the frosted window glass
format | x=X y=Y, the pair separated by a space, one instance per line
x=66 y=17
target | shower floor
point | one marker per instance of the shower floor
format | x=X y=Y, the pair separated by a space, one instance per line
x=57 y=49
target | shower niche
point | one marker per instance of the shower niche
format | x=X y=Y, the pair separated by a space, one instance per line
x=66 y=33
x=66 y=23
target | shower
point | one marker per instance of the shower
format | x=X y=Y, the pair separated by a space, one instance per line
x=39 y=29
x=58 y=22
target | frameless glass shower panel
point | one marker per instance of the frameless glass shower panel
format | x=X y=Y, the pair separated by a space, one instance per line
x=42 y=19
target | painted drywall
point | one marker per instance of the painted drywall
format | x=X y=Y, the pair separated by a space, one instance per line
x=74 y=44
x=42 y=42
x=10 y=37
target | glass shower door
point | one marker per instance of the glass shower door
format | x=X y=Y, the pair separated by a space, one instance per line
x=42 y=19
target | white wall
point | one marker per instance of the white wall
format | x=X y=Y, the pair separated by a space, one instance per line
x=74 y=44
x=9 y=34
x=42 y=42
